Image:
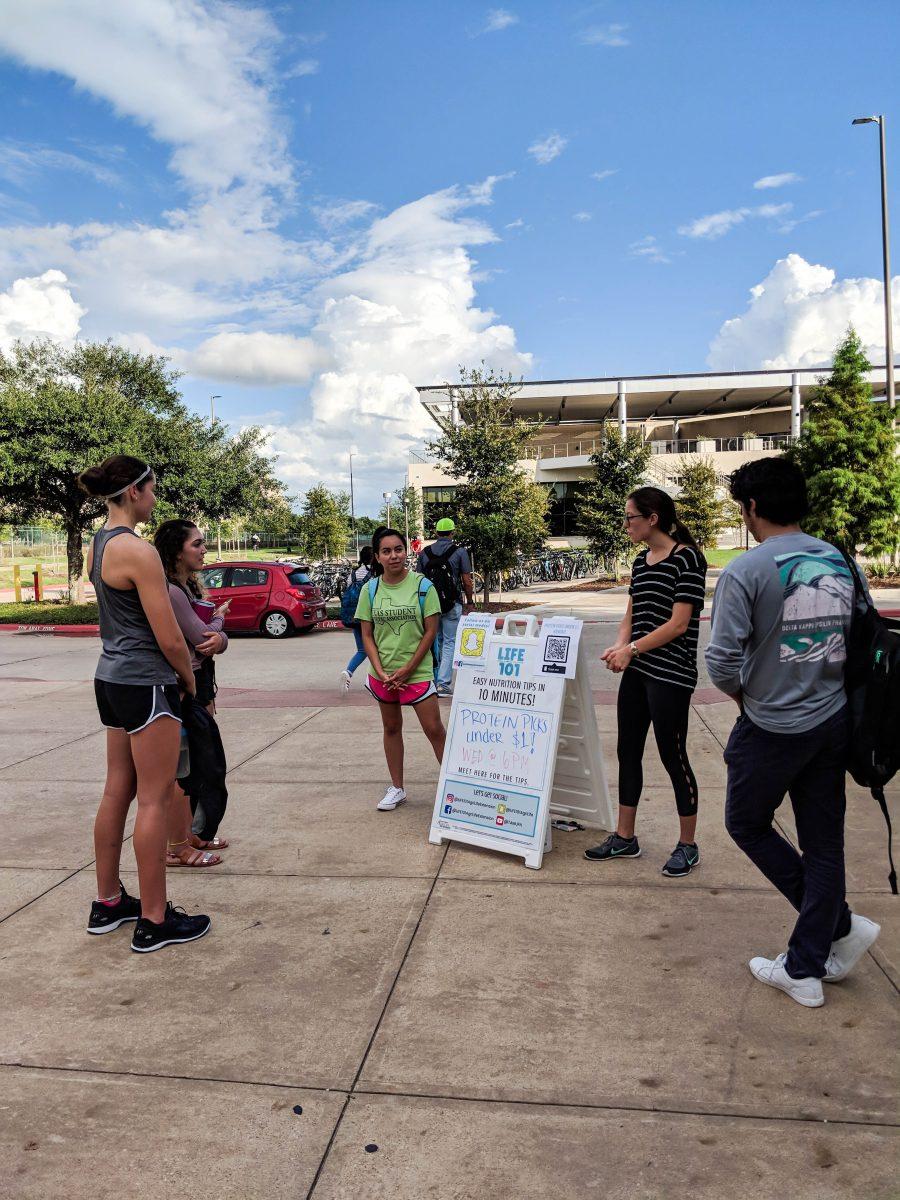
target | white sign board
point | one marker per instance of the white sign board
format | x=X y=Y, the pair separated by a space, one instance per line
x=520 y=741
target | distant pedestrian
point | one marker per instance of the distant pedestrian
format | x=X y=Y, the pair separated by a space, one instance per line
x=254 y=541
x=356 y=581
x=656 y=652
x=449 y=567
x=142 y=660
x=416 y=544
x=778 y=647
x=399 y=612
x=202 y=794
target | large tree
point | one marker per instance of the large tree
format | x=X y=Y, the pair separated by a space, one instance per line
x=499 y=511
x=62 y=410
x=324 y=522
x=620 y=465
x=700 y=507
x=848 y=453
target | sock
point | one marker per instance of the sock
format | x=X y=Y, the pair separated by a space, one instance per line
x=110 y=903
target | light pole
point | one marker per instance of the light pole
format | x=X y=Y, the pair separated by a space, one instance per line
x=212 y=421
x=352 y=507
x=886 y=251
x=387 y=500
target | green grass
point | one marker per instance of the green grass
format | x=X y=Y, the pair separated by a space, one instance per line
x=721 y=558
x=48 y=613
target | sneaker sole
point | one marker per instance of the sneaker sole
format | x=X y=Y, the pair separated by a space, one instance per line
x=391 y=807
x=611 y=857
x=680 y=874
x=114 y=925
x=171 y=942
x=797 y=999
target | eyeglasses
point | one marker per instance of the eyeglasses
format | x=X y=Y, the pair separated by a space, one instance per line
x=629 y=517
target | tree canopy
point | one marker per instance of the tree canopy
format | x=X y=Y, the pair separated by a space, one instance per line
x=62 y=410
x=620 y=465
x=699 y=505
x=499 y=512
x=324 y=522
x=847 y=451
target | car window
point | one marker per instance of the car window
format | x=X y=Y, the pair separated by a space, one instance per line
x=299 y=576
x=213 y=577
x=248 y=577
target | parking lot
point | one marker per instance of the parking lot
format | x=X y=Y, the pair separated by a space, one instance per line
x=374 y=1016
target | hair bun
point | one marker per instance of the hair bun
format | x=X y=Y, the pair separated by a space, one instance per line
x=94 y=481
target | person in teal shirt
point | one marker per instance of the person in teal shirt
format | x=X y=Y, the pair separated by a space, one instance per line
x=399 y=624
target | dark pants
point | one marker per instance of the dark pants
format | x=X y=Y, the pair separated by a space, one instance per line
x=643 y=701
x=810 y=767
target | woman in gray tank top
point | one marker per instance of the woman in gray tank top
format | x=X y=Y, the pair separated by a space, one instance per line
x=143 y=661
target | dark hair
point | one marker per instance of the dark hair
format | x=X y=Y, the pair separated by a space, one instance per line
x=776 y=484
x=169 y=541
x=114 y=475
x=366 y=556
x=649 y=500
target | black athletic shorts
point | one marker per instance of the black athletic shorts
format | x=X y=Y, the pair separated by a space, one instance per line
x=134 y=706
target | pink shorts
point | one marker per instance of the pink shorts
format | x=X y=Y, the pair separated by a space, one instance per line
x=413 y=693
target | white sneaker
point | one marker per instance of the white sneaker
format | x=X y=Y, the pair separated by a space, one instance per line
x=807 y=992
x=345 y=681
x=392 y=798
x=847 y=951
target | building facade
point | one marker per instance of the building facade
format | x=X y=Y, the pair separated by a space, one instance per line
x=729 y=419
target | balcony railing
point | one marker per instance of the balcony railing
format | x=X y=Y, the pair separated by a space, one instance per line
x=679 y=447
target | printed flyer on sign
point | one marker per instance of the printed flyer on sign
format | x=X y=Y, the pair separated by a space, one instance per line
x=472 y=639
x=557 y=649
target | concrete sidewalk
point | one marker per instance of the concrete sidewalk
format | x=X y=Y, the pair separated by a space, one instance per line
x=373 y=1016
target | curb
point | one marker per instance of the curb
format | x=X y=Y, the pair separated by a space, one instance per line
x=54 y=630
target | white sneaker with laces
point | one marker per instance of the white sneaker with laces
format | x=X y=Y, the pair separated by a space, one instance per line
x=392 y=798
x=847 y=951
x=345 y=681
x=807 y=992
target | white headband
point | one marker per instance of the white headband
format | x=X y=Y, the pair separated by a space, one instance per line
x=143 y=475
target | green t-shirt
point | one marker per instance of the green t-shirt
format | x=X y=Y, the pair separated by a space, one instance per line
x=398 y=624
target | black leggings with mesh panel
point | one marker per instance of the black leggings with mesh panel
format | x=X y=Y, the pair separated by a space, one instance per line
x=644 y=702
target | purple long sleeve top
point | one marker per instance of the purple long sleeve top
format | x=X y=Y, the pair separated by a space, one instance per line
x=194 y=630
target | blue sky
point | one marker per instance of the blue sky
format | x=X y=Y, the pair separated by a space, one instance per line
x=313 y=207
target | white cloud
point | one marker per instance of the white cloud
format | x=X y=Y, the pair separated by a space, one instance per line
x=306 y=66
x=581 y=216
x=798 y=315
x=518 y=223
x=601 y=175
x=544 y=150
x=499 y=19
x=40 y=306
x=776 y=181
x=649 y=248
x=192 y=75
x=716 y=225
x=789 y=225
x=604 y=35
x=20 y=162
x=254 y=358
x=343 y=212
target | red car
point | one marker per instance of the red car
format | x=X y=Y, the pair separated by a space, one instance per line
x=277 y=598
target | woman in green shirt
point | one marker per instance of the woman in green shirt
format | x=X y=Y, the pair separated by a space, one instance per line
x=399 y=625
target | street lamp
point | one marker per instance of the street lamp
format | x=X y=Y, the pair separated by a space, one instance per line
x=886 y=250
x=352 y=507
x=387 y=500
x=212 y=421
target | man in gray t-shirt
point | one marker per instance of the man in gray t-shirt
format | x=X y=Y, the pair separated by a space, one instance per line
x=778 y=646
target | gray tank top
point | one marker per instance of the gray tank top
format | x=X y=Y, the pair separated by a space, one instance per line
x=130 y=651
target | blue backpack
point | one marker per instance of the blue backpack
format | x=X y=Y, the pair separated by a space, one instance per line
x=425 y=586
x=350 y=599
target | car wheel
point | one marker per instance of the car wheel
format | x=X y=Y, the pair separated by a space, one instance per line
x=276 y=625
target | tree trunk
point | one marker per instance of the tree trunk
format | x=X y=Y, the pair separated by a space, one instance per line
x=74 y=553
x=487 y=589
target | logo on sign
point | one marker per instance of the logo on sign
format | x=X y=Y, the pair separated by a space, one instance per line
x=501 y=820
x=472 y=645
x=448 y=808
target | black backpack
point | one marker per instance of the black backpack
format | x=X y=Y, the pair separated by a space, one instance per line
x=872 y=679
x=436 y=567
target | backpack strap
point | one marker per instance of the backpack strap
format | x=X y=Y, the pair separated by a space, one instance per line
x=373 y=588
x=435 y=557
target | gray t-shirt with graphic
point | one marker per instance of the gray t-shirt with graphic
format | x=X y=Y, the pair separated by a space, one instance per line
x=780 y=618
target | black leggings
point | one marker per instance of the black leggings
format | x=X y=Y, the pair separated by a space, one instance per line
x=644 y=701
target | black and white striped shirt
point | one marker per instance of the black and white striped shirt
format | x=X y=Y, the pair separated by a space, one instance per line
x=654 y=590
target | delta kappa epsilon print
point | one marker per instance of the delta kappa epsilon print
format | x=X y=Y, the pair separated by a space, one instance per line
x=818 y=604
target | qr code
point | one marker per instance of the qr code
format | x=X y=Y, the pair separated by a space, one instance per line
x=557 y=650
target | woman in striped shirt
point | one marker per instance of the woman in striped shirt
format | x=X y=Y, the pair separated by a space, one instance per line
x=656 y=651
